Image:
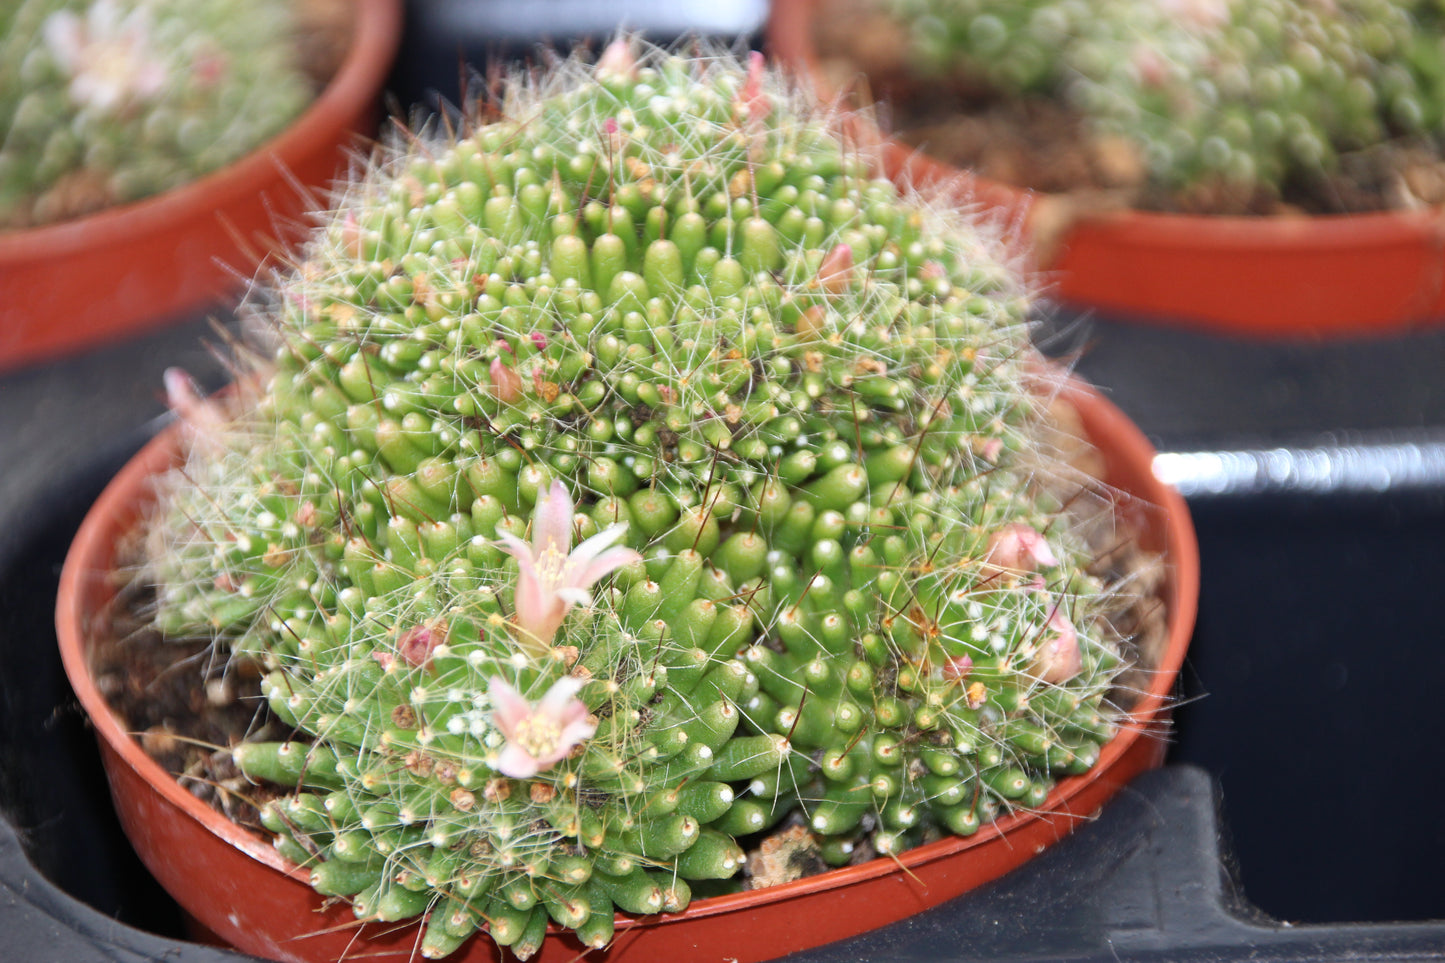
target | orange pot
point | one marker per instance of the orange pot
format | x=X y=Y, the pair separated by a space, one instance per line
x=1377 y=273
x=133 y=267
x=236 y=885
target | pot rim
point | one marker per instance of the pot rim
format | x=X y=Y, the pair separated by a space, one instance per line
x=375 y=37
x=128 y=494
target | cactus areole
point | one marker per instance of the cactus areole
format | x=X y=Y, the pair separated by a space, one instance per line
x=628 y=478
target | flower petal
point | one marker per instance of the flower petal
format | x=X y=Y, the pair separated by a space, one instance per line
x=570 y=596
x=552 y=525
x=560 y=696
x=64 y=36
x=617 y=59
x=536 y=608
x=508 y=705
x=602 y=566
x=1019 y=547
x=595 y=545
x=1059 y=658
x=517 y=548
x=204 y=419
x=516 y=762
x=575 y=733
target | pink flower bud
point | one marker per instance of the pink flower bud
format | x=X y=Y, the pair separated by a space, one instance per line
x=617 y=59
x=616 y=139
x=204 y=420
x=932 y=271
x=351 y=234
x=208 y=67
x=835 y=272
x=1152 y=69
x=1057 y=658
x=957 y=668
x=1018 y=547
x=417 y=643
x=752 y=100
x=506 y=383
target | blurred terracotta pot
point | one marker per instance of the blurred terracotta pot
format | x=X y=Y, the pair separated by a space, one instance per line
x=1376 y=273
x=134 y=267
x=236 y=885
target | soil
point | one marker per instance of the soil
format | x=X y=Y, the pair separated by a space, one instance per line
x=151 y=682
x=1039 y=144
x=151 y=685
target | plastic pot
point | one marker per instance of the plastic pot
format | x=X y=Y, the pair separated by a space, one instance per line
x=1262 y=276
x=236 y=885
x=136 y=266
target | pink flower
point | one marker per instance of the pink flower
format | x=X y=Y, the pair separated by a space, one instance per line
x=107 y=54
x=554 y=576
x=1057 y=658
x=538 y=736
x=506 y=383
x=1019 y=548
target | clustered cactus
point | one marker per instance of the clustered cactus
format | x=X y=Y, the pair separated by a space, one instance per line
x=1216 y=95
x=108 y=101
x=631 y=474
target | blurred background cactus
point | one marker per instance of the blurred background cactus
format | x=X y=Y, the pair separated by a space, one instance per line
x=1221 y=105
x=108 y=101
x=626 y=477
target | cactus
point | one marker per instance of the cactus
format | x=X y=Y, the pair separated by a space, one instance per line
x=1241 y=99
x=110 y=101
x=627 y=475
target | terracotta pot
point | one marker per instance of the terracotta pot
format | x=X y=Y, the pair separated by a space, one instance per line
x=236 y=885
x=1271 y=277
x=137 y=266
